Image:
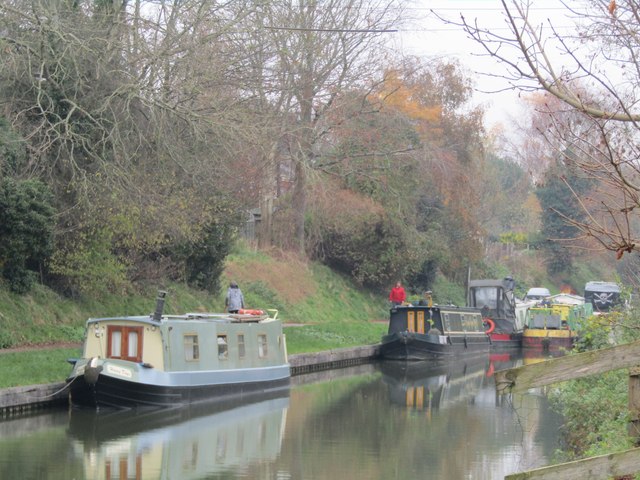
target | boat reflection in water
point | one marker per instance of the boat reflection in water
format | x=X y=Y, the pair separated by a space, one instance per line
x=184 y=443
x=531 y=356
x=428 y=386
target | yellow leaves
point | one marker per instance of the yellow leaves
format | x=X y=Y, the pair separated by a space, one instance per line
x=396 y=94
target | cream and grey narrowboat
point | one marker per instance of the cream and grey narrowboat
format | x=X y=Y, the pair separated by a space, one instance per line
x=169 y=360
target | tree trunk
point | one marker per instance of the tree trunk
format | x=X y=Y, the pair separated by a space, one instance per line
x=300 y=203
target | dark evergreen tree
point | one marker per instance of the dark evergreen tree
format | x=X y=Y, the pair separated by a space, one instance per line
x=26 y=231
x=561 y=208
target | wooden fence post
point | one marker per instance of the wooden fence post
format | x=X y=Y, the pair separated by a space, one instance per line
x=634 y=404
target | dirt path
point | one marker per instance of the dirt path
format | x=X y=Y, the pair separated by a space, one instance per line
x=42 y=346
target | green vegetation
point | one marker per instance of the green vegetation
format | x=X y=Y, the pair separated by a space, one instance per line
x=326 y=336
x=26 y=230
x=326 y=309
x=595 y=409
x=36 y=367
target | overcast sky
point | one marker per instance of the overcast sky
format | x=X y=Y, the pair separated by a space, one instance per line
x=431 y=37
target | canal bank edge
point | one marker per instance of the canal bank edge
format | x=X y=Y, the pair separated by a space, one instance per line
x=19 y=400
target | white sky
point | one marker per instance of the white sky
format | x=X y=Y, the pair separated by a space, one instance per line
x=430 y=37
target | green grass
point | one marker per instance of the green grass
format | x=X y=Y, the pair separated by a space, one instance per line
x=35 y=367
x=327 y=336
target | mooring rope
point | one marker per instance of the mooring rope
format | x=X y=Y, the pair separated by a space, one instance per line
x=58 y=392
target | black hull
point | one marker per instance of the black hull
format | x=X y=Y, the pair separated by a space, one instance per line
x=418 y=346
x=109 y=392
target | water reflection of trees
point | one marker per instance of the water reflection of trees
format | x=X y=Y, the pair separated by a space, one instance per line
x=366 y=422
x=381 y=427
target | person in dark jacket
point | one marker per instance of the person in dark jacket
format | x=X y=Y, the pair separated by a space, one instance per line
x=234 y=300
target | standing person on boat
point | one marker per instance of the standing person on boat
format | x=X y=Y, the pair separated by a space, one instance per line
x=397 y=295
x=427 y=300
x=234 y=300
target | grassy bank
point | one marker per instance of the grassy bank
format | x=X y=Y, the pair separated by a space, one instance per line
x=326 y=309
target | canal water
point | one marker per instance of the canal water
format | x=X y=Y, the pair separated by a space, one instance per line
x=390 y=420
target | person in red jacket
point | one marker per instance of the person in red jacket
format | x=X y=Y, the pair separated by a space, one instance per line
x=397 y=295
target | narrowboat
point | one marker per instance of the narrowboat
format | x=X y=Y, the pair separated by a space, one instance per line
x=554 y=327
x=162 y=360
x=504 y=315
x=423 y=333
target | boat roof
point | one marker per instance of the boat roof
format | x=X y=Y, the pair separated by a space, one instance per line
x=149 y=319
x=568 y=298
x=539 y=291
x=602 y=287
x=486 y=283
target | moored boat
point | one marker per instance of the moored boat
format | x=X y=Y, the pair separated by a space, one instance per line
x=554 y=327
x=162 y=360
x=422 y=333
x=502 y=312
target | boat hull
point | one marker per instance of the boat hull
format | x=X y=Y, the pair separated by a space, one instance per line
x=100 y=390
x=548 y=340
x=418 y=346
x=505 y=340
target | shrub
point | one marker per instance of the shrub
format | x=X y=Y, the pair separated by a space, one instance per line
x=204 y=258
x=86 y=265
x=356 y=236
x=26 y=230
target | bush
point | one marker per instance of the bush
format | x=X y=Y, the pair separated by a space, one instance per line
x=205 y=258
x=357 y=237
x=86 y=265
x=26 y=231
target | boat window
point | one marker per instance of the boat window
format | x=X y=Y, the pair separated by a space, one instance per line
x=191 y=350
x=223 y=347
x=420 y=326
x=116 y=344
x=452 y=322
x=486 y=296
x=471 y=323
x=262 y=345
x=411 y=321
x=241 y=351
x=124 y=342
x=132 y=348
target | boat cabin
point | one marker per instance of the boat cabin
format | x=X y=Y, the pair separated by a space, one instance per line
x=189 y=342
x=496 y=300
x=559 y=316
x=436 y=320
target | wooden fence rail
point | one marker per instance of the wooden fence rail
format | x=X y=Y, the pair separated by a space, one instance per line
x=571 y=367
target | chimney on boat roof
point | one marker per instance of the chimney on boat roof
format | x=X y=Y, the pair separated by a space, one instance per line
x=157 y=315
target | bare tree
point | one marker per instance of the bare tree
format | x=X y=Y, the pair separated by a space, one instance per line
x=301 y=55
x=105 y=88
x=128 y=111
x=593 y=69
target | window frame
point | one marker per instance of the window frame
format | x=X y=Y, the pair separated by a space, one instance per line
x=124 y=331
x=195 y=347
